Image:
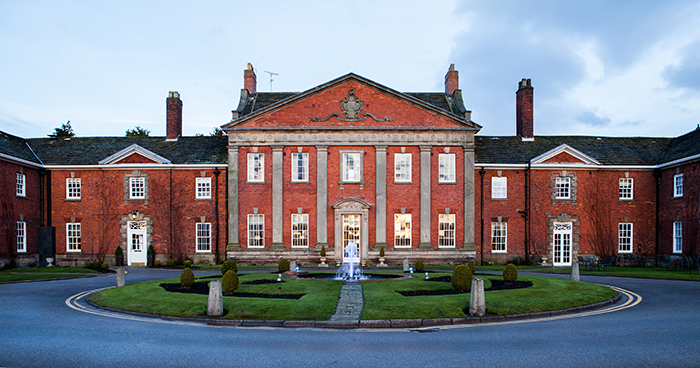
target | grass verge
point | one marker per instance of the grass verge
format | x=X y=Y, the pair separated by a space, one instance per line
x=34 y=274
x=640 y=272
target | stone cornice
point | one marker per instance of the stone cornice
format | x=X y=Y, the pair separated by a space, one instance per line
x=429 y=137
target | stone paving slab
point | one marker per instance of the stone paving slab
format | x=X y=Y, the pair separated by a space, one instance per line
x=350 y=304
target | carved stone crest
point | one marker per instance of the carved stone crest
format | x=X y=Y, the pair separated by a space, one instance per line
x=351 y=105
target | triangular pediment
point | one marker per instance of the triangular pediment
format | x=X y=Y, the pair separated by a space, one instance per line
x=565 y=154
x=134 y=154
x=352 y=101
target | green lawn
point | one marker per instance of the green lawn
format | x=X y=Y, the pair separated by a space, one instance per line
x=641 y=272
x=28 y=274
x=382 y=301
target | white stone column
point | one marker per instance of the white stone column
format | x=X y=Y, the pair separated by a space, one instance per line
x=321 y=196
x=469 y=217
x=380 y=203
x=233 y=242
x=425 y=197
x=277 y=228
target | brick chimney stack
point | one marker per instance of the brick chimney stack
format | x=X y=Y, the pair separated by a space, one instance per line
x=250 y=80
x=524 y=110
x=451 y=81
x=173 y=117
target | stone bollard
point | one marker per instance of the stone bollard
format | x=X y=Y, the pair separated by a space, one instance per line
x=477 y=304
x=293 y=266
x=120 y=276
x=574 y=272
x=405 y=264
x=215 y=307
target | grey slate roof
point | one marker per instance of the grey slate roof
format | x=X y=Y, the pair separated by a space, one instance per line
x=91 y=150
x=17 y=147
x=607 y=150
x=684 y=146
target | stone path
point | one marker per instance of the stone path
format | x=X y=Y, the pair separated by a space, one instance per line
x=350 y=303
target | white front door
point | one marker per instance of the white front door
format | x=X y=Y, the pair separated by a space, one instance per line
x=562 y=244
x=352 y=225
x=137 y=243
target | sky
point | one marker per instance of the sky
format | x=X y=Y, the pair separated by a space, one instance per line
x=602 y=68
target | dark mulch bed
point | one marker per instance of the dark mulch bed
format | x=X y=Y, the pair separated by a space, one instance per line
x=495 y=285
x=203 y=288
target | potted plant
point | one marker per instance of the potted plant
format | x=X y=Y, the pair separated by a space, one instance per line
x=119 y=256
x=323 y=257
x=150 y=256
x=381 y=257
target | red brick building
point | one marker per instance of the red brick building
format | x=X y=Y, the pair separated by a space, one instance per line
x=353 y=161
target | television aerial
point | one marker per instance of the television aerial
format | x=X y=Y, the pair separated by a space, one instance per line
x=271 y=74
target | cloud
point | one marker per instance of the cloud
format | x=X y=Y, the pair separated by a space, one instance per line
x=591 y=118
x=686 y=74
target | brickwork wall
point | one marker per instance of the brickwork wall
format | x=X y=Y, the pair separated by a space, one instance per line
x=685 y=209
x=254 y=195
x=447 y=195
x=298 y=194
x=27 y=207
x=403 y=195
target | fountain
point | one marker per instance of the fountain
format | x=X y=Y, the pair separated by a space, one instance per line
x=350 y=269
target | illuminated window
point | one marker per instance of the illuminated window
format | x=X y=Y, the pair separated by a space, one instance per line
x=300 y=230
x=402 y=167
x=256 y=231
x=402 y=230
x=499 y=237
x=446 y=231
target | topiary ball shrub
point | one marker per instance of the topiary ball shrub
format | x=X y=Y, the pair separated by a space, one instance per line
x=283 y=265
x=230 y=281
x=188 y=263
x=419 y=266
x=105 y=267
x=472 y=266
x=462 y=278
x=156 y=263
x=88 y=264
x=510 y=273
x=229 y=265
x=186 y=277
x=170 y=263
x=323 y=251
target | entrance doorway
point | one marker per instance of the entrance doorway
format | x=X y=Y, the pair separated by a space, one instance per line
x=352 y=229
x=561 y=247
x=136 y=236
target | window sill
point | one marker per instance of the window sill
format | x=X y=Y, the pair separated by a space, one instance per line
x=626 y=199
x=402 y=247
x=74 y=251
x=137 y=199
x=499 y=199
x=624 y=252
x=300 y=182
x=255 y=182
x=203 y=251
x=447 y=182
x=73 y=199
x=499 y=251
x=203 y=199
x=22 y=196
x=677 y=197
x=402 y=182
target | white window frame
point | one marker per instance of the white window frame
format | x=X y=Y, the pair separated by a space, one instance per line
x=300 y=230
x=356 y=176
x=402 y=167
x=626 y=189
x=21 y=190
x=203 y=188
x=300 y=167
x=253 y=220
x=625 y=237
x=136 y=190
x=678 y=237
x=499 y=187
x=562 y=189
x=73 y=237
x=203 y=237
x=21 y=237
x=73 y=188
x=446 y=168
x=499 y=237
x=256 y=167
x=446 y=230
x=403 y=230
x=677 y=185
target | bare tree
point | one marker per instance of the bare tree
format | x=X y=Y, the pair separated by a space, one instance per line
x=598 y=204
x=8 y=222
x=108 y=219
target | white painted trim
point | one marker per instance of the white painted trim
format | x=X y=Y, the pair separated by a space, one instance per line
x=138 y=166
x=134 y=148
x=20 y=161
x=679 y=161
x=565 y=148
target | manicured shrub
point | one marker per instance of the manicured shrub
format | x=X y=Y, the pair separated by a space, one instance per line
x=156 y=263
x=323 y=251
x=88 y=264
x=472 y=266
x=283 y=265
x=419 y=266
x=510 y=273
x=229 y=265
x=118 y=251
x=188 y=263
x=151 y=251
x=462 y=278
x=381 y=252
x=170 y=263
x=230 y=281
x=186 y=277
x=104 y=267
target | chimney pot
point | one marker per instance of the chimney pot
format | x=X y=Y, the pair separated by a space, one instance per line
x=173 y=116
x=250 y=80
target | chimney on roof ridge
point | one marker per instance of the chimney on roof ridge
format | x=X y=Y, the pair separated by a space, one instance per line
x=173 y=118
x=524 y=110
x=250 y=80
x=451 y=81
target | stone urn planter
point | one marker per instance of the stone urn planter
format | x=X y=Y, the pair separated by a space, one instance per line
x=323 y=257
x=119 y=256
x=49 y=261
x=381 y=258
